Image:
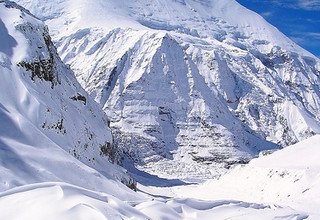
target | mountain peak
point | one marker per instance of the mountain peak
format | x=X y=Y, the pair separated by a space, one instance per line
x=226 y=21
x=196 y=85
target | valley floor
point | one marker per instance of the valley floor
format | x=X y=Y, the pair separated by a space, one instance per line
x=64 y=201
x=282 y=185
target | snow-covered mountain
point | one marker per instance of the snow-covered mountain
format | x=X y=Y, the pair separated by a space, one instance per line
x=191 y=87
x=56 y=151
x=50 y=129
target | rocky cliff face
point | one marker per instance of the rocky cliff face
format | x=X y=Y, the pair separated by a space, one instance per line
x=191 y=87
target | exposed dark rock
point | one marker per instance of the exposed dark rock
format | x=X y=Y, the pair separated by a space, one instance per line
x=79 y=97
x=108 y=150
x=43 y=69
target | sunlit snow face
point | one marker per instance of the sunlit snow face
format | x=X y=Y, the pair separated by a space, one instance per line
x=298 y=19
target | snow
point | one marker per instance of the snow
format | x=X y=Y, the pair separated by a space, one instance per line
x=299 y=121
x=287 y=178
x=191 y=87
x=204 y=18
x=302 y=156
x=56 y=147
x=62 y=201
x=65 y=201
x=44 y=134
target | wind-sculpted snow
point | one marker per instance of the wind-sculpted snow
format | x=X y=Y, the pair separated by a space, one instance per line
x=48 y=122
x=288 y=177
x=64 y=202
x=191 y=87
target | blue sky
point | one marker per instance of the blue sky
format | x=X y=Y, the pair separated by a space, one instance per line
x=298 y=19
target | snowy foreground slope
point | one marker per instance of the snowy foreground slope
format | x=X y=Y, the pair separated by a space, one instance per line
x=191 y=87
x=289 y=178
x=64 y=202
x=50 y=128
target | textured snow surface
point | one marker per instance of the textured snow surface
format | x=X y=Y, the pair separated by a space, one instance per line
x=46 y=132
x=64 y=202
x=288 y=177
x=55 y=144
x=191 y=87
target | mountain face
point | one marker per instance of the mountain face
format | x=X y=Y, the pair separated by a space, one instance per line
x=191 y=87
x=51 y=129
x=57 y=151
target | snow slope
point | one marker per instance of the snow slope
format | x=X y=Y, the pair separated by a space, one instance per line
x=288 y=177
x=43 y=111
x=64 y=202
x=50 y=130
x=191 y=87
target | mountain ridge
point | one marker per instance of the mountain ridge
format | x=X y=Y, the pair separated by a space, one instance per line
x=190 y=83
x=49 y=125
x=182 y=107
